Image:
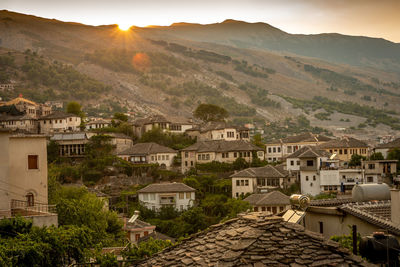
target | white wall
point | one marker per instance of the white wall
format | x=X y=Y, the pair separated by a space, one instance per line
x=243 y=189
x=312 y=186
x=153 y=200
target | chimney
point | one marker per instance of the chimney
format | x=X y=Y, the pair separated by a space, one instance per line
x=395 y=206
x=136 y=212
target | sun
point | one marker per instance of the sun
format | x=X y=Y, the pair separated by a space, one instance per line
x=124 y=26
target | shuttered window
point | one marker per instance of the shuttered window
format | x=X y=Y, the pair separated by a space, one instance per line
x=32 y=162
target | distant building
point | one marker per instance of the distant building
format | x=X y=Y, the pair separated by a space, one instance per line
x=379 y=170
x=55 y=104
x=29 y=107
x=279 y=149
x=219 y=131
x=97 y=124
x=6 y=87
x=23 y=178
x=386 y=148
x=274 y=202
x=59 y=121
x=149 y=153
x=141 y=126
x=260 y=179
x=20 y=122
x=71 y=145
x=219 y=150
x=345 y=147
x=176 y=195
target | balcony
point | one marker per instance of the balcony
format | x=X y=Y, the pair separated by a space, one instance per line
x=167 y=201
x=308 y=168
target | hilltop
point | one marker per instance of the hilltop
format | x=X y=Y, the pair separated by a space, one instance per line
x=257 y=72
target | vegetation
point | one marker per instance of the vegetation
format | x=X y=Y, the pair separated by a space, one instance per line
x=254 y=70
x=174 y=141
x=376 y=156
x=209 y=112
x=356 y=160
x=346 y=241
x=394 y=154
x=258 y=95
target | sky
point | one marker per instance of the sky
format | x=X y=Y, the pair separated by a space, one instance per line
x=374 y=18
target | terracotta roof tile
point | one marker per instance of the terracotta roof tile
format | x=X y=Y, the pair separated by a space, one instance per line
x=309 y=152
x=146 y=149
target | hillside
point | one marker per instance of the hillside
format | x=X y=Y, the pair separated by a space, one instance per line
x=169 y=70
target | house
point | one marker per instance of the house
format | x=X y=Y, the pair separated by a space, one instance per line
x=71 y=145
x=219 y=131
x=29 y=107
x=19 y=122
x=176 y=195
x=260 y=179
x=255 y=239
x=274 y=202
x=55 y=104
x=333 y=217
x=59 y=121
x=136 y=229
x=141 y=126
x=279 y=149
x=97 y=124
x=23 y=178
x=150 y=153
x=219 y=150
x=345 y=147
x=120 y=141
x=386 y=148
x=376 y=171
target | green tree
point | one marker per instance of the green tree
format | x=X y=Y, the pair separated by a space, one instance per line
x=52 y=151
x=257 y=141
x=75 y=108
x=210 y=112
x=394 y=154
x=146 y=249
x=356 y=160
x=120 y=116
x=240 y=164
x=376 y=156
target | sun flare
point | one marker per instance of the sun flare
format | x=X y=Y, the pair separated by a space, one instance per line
x=124 y=27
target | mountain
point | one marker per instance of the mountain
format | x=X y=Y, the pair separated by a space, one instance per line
x=259 y=73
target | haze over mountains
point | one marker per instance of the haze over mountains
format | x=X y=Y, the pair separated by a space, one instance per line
x=252 y=69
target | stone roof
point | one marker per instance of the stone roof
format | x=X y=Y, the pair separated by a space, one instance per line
x=377 y=213
x=10 y=110
x=268 y=171
x=305 y=137
x=15 y=118
x=255 y=239
x=270 y=198
x=58 y=115
x=217 y=125
x=146 y=149
x=222 y=146
x=309 y=152
x=166 y=188
x=69 y=136
x=151 y=119
x=394 y=144
x=344 y=142
x=100 y=121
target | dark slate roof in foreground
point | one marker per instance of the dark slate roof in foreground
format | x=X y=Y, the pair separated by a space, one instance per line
x=255 y=239
x=166 y=188
x=270 y=198
x=268 y=171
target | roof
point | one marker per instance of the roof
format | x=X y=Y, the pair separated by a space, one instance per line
x=15 y=118
x=100 y=121
x=166 y=188
x=137 y=224
x=331 y=202
x=58 y=115
x=156 y=236
x=116 y=135
x=255 y=239
x=20 y=99
x=271 y=198
x=217 y=125
x=147 y=148
x=149 y=120
x=69 y=136
x=268 y=171
x=10 y=110
x=309 y=152
x=305 y=137
x=222 y=146
x=377 y=213
x=394 y=144
x=344 y=142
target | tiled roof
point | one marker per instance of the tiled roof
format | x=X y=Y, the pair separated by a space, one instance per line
x=15 y=118
x=57 y=115
x=344 y=142
x=305 y=137
x=255 y=239
x=331 y=202
x=268 y=171
x=394 y=144
x=377 y=213
x=69 y=136
x=222 y=146
x=271 y=198
x=218 y=125
x=151 y=119
x=101 y=121
x=146 y=149
x=309 y=152
x=166 y=188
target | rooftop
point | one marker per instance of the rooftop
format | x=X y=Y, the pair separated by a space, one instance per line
x=309 y=152
x=57 y=115
x=151 y=119
x=222 y=146
x=268 y=171
x=255 y=239
x=344 y=142
x=305 y=137
x=146 y=149
x=394 y=144
x=271 y=198
x=69 y=136
x=166 y=188
x=217 y=125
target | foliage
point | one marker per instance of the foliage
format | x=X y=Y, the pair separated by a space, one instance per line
x=258 y=95
x=376 y=156
x=240 y=164
x=209 y=112
x=15 y=226
x=107 y=260
x=394 y=154
x=75 y=108
x=356 y=159
x=120 y=116
x=257 y=141
x=324 y=196
x=346 y=241
x=52 y=151
x=172 y=140
x=254 y=70
x=215 y=167
x=146 y=249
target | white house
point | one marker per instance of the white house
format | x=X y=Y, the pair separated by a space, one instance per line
x=59 y=121
x=97 y=124
x=219 y=131
x=176 y=195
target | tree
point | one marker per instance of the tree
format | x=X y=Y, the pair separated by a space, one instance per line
x=394 y=154
x=120 y=116
x=209 y=112
x=257 y=141
x=356 y=160
x=75 y=108
x=52 y=151
x=376 y=156
x=240 y=164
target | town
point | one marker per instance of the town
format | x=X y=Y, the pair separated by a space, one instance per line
x=158 y=191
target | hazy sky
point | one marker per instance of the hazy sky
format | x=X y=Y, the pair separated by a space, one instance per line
x=375 y=18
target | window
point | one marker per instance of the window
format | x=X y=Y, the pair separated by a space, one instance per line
x=181 y=195
x=246 y=182
x=33 y=162
x=371 y=166
x=313 y=178
x=274 y=210
x=291 y=162
x=279 y=149
x=163 y=157
x=310 y=163
x=159 y=157
x=237 y=194
x=145 y=197
x=30 y=200
x=289 y=149
x=188 y=195
x=167 y=157
x=199 y=157
x=152 y=158
x=306 y=178
x=298 y=163
x=340 y=152
x=152 y=196
x=241 y=182
x=370 y=179
x=269 y=150
x=345 y=151
x=235 y=154
x=207 y=156
x=137 y=236
x=146 y=233
x=186 y=163
x=263 y=208
x=237 y=182
x=186 y=154
x=255 y=208
x=274 y=149
x=321 y=227
x=191 y=163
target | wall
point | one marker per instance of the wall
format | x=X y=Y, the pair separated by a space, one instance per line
x=149 y=203
x=311 y=186
x=44 y=220
x=4 y=171
x=250 y=188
